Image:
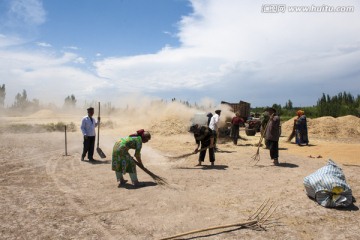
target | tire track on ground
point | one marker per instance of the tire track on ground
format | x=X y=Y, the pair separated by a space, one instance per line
x=72 y=197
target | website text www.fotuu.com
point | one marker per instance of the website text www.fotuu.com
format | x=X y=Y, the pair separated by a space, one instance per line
x=283 y=8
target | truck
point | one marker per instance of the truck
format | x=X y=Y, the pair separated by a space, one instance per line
x=252 y=122
x=242 y=107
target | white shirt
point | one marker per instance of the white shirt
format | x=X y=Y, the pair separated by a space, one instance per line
x=213 y=125
x=88 y=127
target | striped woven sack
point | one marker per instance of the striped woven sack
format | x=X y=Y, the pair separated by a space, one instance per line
x=328 y=186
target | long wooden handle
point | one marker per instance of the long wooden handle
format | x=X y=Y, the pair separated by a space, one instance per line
x=98 y=136
x=246 y=223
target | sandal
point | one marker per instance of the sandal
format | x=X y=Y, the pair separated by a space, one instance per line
x=122 y=182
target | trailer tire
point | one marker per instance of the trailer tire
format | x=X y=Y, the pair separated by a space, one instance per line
x=250 y=131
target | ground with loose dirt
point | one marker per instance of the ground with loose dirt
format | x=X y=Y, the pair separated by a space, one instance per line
x=47 y=195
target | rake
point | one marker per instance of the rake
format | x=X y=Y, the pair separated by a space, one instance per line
x=258 y=220
x=256 y=156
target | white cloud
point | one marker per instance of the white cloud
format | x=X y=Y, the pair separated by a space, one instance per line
x=80 y=60
x=43 y=44
x=7 y=41
x=27 y=11
x=46 y=76
x=233 y=43
x=71 y=47
x=229 y=50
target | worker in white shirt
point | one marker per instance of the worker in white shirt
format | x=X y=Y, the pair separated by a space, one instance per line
x=88 y=125
x=214 y=125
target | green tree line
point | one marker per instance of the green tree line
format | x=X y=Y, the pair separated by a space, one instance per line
x=338 y=105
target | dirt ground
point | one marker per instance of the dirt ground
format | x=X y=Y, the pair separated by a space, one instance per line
x=47 y=195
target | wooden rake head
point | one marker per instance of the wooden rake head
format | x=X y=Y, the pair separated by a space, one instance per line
x=256 y=157
x=263 y=214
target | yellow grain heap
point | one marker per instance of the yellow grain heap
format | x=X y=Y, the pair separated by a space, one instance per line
x=323 y=127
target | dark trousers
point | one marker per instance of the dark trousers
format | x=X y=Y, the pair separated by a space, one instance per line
x=203 y=152
x=274 y=149
x=215 y=137
x=89 y=145
x=235 y=133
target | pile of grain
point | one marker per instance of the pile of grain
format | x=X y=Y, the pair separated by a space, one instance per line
x=323 y=127
x=169 y=126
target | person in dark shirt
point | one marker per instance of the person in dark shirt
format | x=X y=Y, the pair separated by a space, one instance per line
x=301 y=129
x=235 y=127
x=209 y=116
x=203 y=135
x=272 y=135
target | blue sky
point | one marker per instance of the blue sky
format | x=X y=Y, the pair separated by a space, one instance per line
x=189 y=49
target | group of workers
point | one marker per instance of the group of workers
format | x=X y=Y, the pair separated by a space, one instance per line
x=205 y=138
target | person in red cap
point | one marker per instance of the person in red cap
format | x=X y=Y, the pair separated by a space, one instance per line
x=236 y=121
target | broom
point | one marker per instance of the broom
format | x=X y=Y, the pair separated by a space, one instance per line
x=186 y=154
x=159 y=180
x=292 y=135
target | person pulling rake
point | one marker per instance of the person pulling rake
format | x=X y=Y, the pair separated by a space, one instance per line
x=272 y=135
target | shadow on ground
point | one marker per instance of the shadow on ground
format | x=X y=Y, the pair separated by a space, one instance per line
x=288 y=165
x=282 y=164
x=206 y=167
x=99 y=162
x=130 y=186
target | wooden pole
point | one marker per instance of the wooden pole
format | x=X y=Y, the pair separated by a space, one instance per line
x=65 y=142
x=241 y=224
